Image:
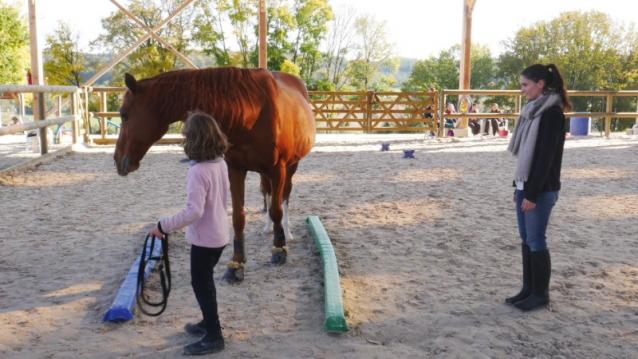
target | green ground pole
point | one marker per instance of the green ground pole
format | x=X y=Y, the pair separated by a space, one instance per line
x=335 y=320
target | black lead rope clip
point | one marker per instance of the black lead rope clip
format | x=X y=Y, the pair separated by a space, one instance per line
x=164 y=270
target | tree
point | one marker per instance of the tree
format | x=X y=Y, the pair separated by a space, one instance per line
x=209 y=30
x=13 y=45
x=339 y=43
x=64 y=61
x=442 y=72
x=586 y=46
x=592 y=52
x=311 y=17
x=281 y=22
x=242 y=15
x=151 y=57
x=374 y=51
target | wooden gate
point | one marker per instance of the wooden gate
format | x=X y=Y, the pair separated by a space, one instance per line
x=375 y=111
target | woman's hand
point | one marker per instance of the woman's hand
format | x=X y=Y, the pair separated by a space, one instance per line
x=527 y=205
x=156 y=232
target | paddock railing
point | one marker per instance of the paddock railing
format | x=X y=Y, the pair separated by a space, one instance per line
x=39 y=117
x=367 y=111
x=608 y=99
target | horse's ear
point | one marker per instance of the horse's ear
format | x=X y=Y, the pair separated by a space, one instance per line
x=130 y=82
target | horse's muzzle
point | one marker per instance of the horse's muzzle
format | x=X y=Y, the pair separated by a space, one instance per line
x=123 y=166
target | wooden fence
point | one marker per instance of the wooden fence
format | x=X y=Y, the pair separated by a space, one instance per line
x=379 y=112
x=375 y=111
x=608 y=99
x=40 y=118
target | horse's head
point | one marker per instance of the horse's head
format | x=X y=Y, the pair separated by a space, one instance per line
x=141 y=126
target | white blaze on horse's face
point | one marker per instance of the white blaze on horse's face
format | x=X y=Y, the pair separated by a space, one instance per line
x=138 y=131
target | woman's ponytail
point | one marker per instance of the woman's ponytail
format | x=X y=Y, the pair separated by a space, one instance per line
x=555 y=82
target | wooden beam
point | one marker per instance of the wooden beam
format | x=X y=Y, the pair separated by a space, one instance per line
x=132 y=48
x=466 y=45
x=465 y=72
x=37 y=74
x=183 y=57
x=263 y=41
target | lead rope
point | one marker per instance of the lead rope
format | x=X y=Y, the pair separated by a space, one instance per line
x=164 y=269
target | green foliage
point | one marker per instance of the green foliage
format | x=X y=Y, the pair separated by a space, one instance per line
x=587 y=46
x=209 y=30
x=280 y=24
x=64 y=62
x=591 y=51
x=442 y=72
x=373 y=53
x=13 y=46
x=290 y=67
x=311 y=19
x=435 y=72
x=322 y=84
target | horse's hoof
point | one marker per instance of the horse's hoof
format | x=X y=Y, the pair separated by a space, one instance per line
x=278 y=258
x=279 y=255
x=233 y=275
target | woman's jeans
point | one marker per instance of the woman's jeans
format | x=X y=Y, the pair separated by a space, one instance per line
x=532 y=224
x=203 y=261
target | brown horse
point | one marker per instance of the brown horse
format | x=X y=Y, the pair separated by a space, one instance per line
x=266 y=116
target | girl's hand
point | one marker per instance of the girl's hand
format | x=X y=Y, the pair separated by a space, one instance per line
x=156 y=232
x=527 y=205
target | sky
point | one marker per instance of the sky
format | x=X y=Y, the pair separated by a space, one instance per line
x=417 y=28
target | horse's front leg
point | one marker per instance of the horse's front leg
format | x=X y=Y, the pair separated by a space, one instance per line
x=235 y=271
x=278 y=181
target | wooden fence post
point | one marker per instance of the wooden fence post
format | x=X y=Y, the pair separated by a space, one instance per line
x=608 y=109
x=74 y=112
x=102 y=119
x=368 y=122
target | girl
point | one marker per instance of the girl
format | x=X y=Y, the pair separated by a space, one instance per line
x=206 y=217
x=538 y=145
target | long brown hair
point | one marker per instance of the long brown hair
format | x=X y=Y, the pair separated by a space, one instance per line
x=553 y=80
x=203 y=140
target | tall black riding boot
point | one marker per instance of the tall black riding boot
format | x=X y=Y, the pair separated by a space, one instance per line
x=526 y=290
x=541 y=271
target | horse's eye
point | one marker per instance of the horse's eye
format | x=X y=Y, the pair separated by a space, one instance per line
x=123 y=116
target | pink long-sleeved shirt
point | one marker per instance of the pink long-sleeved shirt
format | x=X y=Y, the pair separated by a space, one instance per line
x=205 y=214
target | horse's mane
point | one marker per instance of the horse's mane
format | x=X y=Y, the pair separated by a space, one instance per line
x=230 y=94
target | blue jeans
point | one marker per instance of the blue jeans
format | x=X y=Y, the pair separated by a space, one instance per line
x=532 y=225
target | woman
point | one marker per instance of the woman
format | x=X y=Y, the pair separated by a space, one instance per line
x=537 y=144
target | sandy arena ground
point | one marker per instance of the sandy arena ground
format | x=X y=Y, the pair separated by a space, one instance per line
x=427 y=248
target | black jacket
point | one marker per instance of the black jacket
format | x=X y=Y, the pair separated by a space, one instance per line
x=544 y=174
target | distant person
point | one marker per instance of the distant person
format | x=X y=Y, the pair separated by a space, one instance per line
x=474 y=123
x=450 y=123
x=206 y=219
x=428 y=117
x=537 y=143
x=493 y=122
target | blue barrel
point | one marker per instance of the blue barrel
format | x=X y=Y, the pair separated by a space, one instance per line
x=580 y=126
